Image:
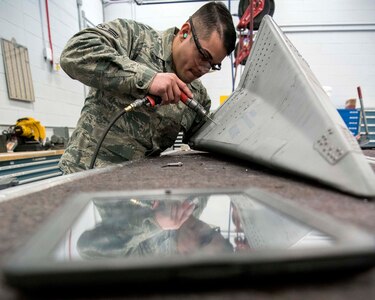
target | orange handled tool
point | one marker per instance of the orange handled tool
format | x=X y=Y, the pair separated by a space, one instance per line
x=195 y=105
x=189 y=102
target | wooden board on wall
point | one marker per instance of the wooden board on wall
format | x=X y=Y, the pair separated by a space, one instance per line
x=17 y=71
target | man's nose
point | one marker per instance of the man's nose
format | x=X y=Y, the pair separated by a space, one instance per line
x=204 y=68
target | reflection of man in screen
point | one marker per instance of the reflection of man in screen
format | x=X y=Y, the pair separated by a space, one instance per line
x=197 y=236
x=150 y=228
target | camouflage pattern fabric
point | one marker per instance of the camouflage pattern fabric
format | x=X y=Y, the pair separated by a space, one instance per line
x=118 y=60
x=129 y=230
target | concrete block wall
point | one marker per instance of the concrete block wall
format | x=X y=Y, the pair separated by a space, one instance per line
x=58 y=98
x=337 y=39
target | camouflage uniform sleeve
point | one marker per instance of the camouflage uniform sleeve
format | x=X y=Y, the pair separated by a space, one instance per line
x=200 y=94
x=116 y=239
x=103 y=58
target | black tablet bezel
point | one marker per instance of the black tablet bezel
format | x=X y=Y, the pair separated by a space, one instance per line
x=31 y=268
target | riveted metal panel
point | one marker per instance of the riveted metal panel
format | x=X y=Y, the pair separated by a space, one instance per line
x=280 y=116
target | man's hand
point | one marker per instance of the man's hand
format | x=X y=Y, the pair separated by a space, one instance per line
x=172 y=215
x=168 y=87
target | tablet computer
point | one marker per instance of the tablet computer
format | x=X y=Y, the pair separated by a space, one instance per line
x=155 y=237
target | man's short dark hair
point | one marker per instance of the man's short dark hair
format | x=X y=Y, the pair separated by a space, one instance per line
x=215 y=16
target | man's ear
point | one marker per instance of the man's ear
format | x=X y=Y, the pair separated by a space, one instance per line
x=184 y=31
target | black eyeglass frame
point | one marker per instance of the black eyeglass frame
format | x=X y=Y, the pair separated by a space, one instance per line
x=207 y=57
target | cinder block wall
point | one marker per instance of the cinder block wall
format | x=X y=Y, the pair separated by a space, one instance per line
x=337 y=39
x=58 y=99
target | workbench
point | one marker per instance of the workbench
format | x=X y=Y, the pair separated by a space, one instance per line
x=22 y=211
x=25 y=167
x=13 y=156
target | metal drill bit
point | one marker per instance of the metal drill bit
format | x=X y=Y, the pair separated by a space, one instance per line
x=208 y=117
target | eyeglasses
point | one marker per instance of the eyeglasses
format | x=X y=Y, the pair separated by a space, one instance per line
x=205 y=54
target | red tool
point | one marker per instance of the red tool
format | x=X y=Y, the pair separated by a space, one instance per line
x=189 y=102
x=195 y=106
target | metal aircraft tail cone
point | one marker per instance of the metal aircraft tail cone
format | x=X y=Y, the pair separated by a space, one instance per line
x=280 y=116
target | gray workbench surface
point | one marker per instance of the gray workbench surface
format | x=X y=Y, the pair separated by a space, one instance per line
x=21 y=215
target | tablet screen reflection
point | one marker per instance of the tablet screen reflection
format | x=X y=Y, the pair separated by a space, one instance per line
x=182 y=225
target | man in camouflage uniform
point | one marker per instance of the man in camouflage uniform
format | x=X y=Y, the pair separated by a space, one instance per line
x=139 y=228
x=124 y=60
